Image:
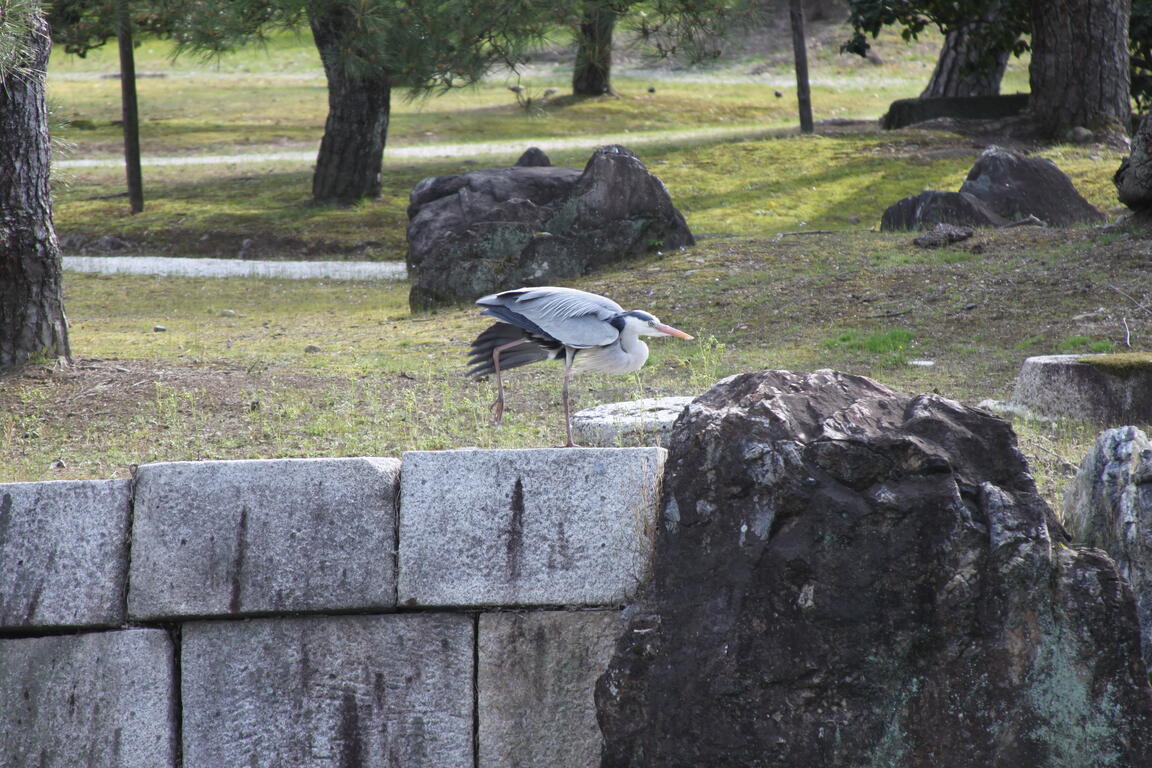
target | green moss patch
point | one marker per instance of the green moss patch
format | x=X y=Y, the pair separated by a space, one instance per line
x=1121 y=363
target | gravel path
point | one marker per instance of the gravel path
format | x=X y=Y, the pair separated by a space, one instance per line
x=347 y=270
x=447 y=150
x=185 y=267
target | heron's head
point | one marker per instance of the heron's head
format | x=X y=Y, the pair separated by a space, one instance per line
x=644 y=324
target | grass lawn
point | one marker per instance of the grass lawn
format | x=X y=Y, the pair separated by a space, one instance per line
x=258 y=368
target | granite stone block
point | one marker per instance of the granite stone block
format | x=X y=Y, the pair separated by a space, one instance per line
x=648 y=421
x=567 y=526
x=95 y=699
x=63 y=553
x=536 y=677
x=252 y=537
x=391 y=691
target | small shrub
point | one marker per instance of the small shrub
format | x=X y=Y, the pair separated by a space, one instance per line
x=706 y=364
x=532 y=103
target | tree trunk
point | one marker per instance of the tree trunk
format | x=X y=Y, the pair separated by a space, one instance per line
x=32 y=322
x=1079 y=70
x=592 y=73
x=129 y=110
x=800 y=54
x=960 y=70
x=351 y=155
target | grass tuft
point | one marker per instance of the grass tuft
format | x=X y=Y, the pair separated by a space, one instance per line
x=888 y=347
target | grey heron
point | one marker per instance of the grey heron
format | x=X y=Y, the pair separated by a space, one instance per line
x=591 y=332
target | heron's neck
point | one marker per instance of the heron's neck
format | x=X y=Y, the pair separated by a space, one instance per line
x=626 y=355
x=632 y=345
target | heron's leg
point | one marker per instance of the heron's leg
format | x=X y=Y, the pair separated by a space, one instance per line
x=498 y=405
x=569 y=354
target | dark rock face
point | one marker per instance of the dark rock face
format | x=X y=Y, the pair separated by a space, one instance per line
x=1109 y=505
x=534 y=157
x=492 y=230
x=1017 y=187
x=848 y=576
x=1133 y=179
x=931 y=208
x=1002 y=188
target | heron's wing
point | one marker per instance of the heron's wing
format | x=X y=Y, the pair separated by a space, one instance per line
x=576 y=318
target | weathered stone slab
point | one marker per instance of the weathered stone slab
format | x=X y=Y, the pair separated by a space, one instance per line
x=365 y=691
x=100 y=699
x=1110 y=390
x=63 y=553
x=536 y=676
x=563 y=526
x=647 y=421
x=243 y=537
x=942 y=235
x=904 y=112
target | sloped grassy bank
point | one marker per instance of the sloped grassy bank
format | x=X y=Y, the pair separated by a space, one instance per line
x=249 y=368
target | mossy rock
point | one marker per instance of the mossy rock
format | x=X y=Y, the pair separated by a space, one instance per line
x=1109 y=390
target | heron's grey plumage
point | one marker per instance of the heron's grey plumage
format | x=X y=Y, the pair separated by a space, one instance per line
x=576 y=318
x=590 y=332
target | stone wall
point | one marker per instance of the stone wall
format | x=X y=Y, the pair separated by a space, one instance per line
x=447 y=609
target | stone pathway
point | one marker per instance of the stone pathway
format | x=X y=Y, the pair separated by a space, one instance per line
x=445 y=150
x=186 y=267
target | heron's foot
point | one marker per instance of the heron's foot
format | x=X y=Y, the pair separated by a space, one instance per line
x=497 y=409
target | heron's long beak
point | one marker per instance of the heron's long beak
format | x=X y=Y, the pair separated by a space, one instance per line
x=670 y=331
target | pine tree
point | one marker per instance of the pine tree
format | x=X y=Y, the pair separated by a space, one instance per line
x=370 y=48
x=32 y=321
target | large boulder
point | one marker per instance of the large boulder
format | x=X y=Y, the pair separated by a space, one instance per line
x=1017 y=187
x=932 y=207
x=534 y=156
x=1109 y=505
x=1003 y=187
x=496 y=229
x=848 y=576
